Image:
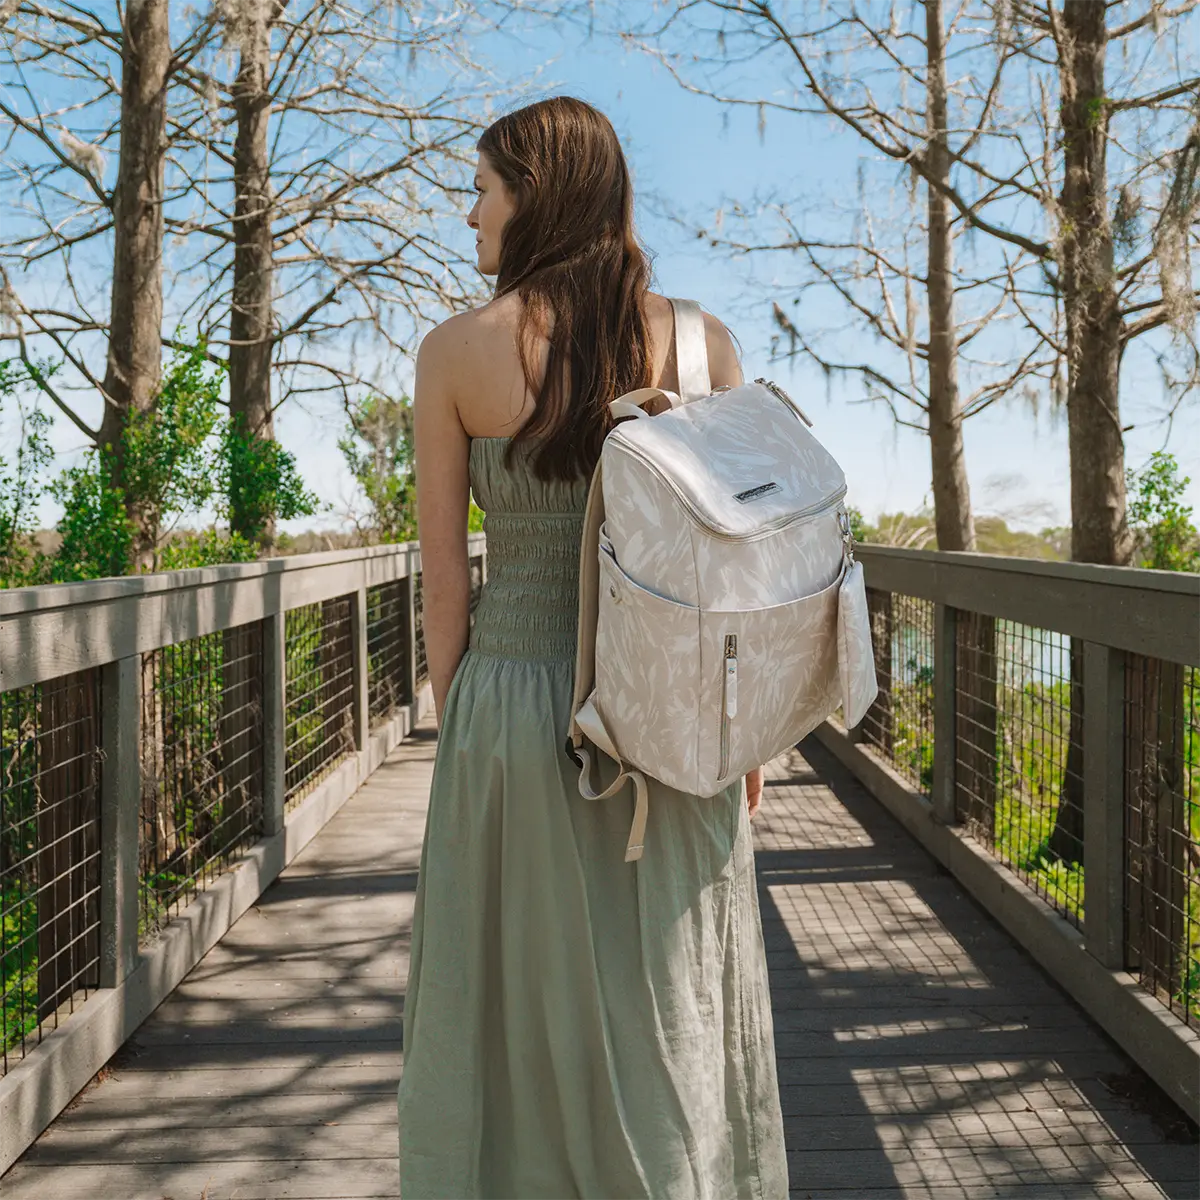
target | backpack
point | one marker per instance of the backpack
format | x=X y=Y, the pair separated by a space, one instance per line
x=722 y=615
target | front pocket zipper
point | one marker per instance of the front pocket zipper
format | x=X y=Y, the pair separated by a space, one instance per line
x=728 y=699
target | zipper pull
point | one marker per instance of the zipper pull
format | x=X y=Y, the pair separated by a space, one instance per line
x=780 y=394
x=731 y=677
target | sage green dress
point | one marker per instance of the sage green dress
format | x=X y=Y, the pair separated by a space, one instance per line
x=574 y=1025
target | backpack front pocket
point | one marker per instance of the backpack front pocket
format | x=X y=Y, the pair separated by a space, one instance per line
x=774 y=674
x=648 y=688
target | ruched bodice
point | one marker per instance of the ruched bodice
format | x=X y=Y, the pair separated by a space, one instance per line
x=529 y=606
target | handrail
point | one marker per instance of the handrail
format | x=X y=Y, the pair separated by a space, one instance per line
x=44 y=633
x=1144 y=612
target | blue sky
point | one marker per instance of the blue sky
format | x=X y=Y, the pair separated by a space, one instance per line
x=688 y=154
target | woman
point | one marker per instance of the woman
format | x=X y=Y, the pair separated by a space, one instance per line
x=574 y=1026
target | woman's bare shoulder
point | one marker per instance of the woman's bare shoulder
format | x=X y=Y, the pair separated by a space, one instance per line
x=476 y=333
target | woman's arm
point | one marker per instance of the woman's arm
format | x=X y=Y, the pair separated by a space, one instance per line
x=442 y=450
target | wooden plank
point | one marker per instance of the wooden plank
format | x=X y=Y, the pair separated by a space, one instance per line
x=1156 y=613
x=225 y=1179
x=920 y=1052
x=52 y=631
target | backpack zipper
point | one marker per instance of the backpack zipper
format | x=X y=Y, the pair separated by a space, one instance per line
x=780 y=394
x=728 y=699
x=805 y=514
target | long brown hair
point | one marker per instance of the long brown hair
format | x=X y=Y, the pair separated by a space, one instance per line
x=569 y=251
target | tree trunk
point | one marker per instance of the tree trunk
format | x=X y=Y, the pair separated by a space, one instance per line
x=253 y=256
x=1099 y=532
x=134 y=368
x=951 y=491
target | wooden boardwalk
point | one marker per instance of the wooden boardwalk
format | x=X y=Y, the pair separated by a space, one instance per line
x=922 y=1055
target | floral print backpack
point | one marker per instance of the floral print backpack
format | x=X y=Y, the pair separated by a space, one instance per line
x=722 y=614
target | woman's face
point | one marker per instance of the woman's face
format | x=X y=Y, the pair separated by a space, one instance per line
x=493 y=206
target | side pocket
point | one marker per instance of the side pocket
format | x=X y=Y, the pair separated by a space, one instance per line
x=648 y=676
x=856 y=658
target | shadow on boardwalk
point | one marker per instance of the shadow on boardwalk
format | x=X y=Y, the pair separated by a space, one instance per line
x=922 y=1055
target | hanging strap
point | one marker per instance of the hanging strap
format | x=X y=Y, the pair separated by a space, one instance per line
x=592 y=724
x=691 y=350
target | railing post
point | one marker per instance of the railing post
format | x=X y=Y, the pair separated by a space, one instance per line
x=274 y=723
x=120 y=806
x=410 y=624
x=945 y=714
x=361 y=701
x=1104 y=803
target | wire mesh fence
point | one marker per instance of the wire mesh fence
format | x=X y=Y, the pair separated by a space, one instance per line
x=319 y=722
x=1018 y=753
x=1162 y=828
x=900 y=722
x=476 y=566
x=422 y=672
x=388 y=640
x=201 y=767
x=49 y=856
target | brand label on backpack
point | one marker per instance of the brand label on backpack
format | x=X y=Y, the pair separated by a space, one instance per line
x=763 y=489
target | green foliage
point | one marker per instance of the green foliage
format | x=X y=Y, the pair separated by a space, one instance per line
x=258 y=483
x=858 y=524
x=205 y=548
x=178 y=458
x=378 y=449
x=165 y=467
x=1161 y=524
x=18 y=960
x=21 y=480
x=97 y=535
x=993 y=536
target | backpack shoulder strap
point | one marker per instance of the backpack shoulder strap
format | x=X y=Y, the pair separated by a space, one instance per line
x=589 y=604
x=691 y=350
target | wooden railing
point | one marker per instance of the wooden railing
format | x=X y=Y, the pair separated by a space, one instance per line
x=1048 y=714
x=167 y=744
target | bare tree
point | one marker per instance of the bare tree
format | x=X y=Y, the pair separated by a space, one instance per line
x=309 y=159
x=1034 y=187
x=1106 y=304
x=134 y=364
x=251 y=302
x=887 y=82
x=346 y=174
x=69 y=204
